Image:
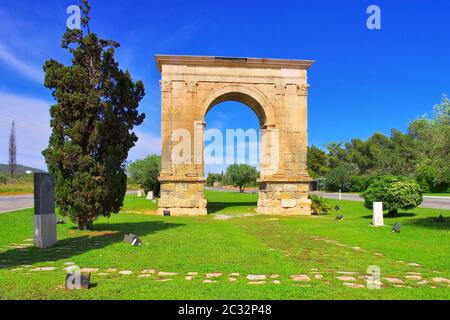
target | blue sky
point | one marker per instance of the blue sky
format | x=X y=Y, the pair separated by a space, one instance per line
x=363 y=80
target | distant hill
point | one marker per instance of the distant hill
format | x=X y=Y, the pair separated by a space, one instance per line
x=4 y=169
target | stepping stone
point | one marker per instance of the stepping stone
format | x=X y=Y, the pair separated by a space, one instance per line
x=356 y=248
x=300 y=277
x=276 y=281
x=235 y=274
x=102 y=274
x=209 y=281
x=314 y=269
x=148 y=271
x=254 y=277
x=213 y=275
x=318 y=276
x=163 y=280
x=414 y=273
x=378 y=254
x=413 y=264
x=167 y=274
x=192 y=273
x=69 y=263
x=126 y=272
x=393 y=280
x=413 y=277
x=188 y=278
x=353 y=285
x=441 y=280
x=346 y=278
x=87 y=270
x=44 y=269
x=111 y=270
x=422 y=282
x=232 y=279
x=273 y=276
x=256 y=282
x=347 y=272
x=145 y=275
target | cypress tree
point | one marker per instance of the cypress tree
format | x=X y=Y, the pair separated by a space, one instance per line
x=92 y=125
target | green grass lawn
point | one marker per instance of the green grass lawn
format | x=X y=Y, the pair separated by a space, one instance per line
x=438 y=194
x=230 y=240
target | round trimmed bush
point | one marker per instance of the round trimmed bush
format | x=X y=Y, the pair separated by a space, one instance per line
x=395 y=192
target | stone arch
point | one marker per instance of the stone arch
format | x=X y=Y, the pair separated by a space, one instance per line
x=276 y=90
x=246 y=94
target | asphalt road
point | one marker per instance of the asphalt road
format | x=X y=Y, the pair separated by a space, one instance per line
x=11 y=203
x=428 y=201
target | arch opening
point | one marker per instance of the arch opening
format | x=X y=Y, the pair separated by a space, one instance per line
x=232 y=136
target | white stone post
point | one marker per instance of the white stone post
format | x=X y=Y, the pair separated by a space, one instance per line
x=377 y=216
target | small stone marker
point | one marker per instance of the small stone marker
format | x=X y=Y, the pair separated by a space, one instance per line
x=150 y=196
x=339 y=217
x=140 y=193
x=77 y=280
x=133 y=239
x=396 y=227
x=377 y=215
x=44 y=211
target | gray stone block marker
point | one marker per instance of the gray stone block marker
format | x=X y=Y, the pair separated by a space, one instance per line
x=44 y=211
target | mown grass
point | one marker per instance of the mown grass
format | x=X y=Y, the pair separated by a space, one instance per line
x=244 y=244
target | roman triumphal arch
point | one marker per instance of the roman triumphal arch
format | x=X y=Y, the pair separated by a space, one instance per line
x=276 y=90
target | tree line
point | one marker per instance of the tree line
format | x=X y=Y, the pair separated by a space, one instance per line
x=422 y=153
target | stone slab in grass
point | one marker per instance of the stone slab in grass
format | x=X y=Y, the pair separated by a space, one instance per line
x=353 y=285
x=393 y=280
x=300 y=277
x=213 y=275
x=167 y=274
x=346 y=278
x=254 y=277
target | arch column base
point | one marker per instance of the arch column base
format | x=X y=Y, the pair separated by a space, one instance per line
x=284 y=197
x=182 y=197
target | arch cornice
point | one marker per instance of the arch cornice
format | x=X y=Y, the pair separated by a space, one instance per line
x=239 y=92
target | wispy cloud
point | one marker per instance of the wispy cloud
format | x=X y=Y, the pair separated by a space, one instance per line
x=32 y=119
x=30 y=71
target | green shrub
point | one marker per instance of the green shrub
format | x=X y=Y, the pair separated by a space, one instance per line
x=395 y=192
x=359 y=184
x=3 y=179
x=319 y=205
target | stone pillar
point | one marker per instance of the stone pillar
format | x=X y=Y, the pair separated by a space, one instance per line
x=284 y=197
x=44 y=211
x=182 y=178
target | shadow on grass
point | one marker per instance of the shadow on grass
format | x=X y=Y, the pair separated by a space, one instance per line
x=398 y=215
x=431 y=222
x=214 y=207
x=103 y=235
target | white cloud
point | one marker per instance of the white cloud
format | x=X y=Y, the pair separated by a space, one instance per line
x=30 y=71
x=147 y=144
